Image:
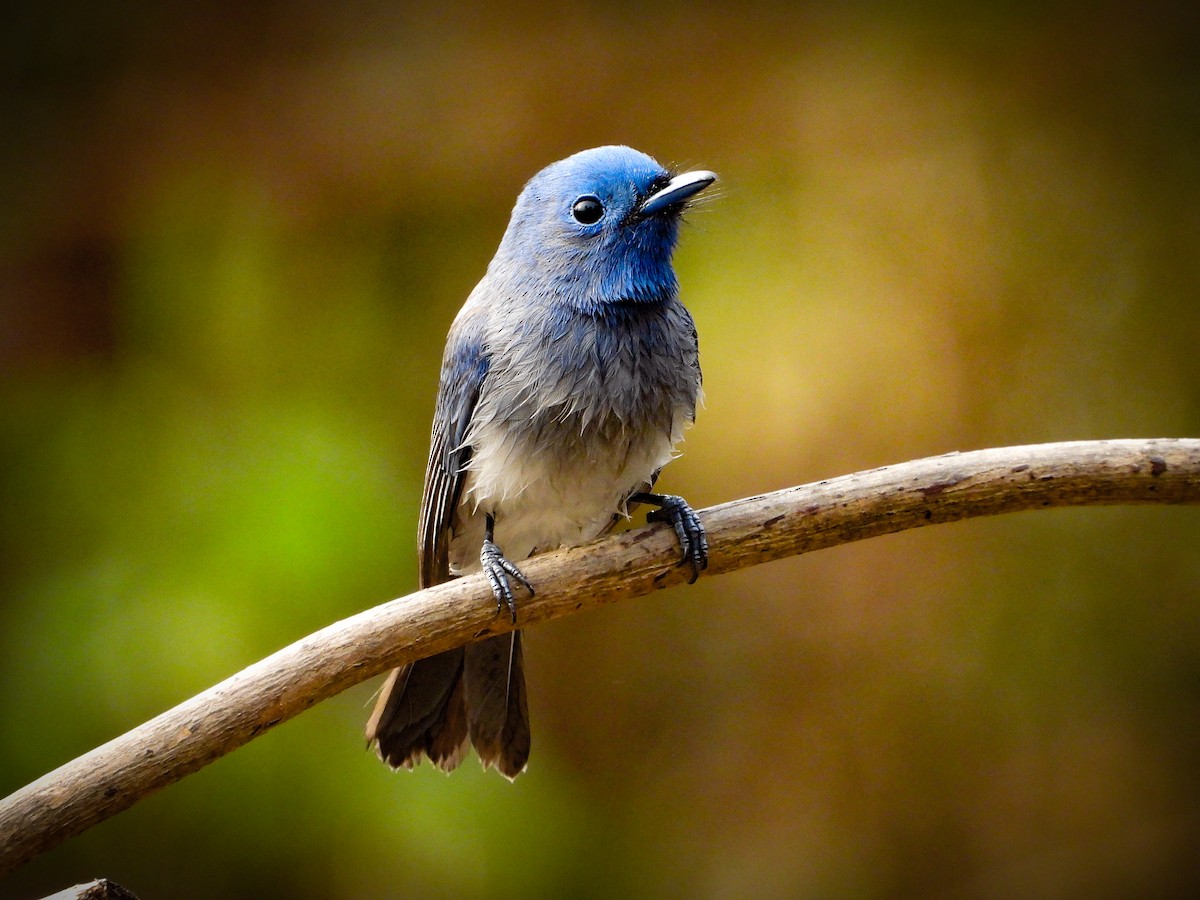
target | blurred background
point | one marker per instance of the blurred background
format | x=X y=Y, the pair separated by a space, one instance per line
x=232 y=239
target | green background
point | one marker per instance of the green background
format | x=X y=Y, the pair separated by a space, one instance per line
x=231 y=242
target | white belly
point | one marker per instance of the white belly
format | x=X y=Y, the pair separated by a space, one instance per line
x=544 y=499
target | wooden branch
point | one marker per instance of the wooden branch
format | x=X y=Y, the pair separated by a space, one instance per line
x=100 y=889
x=743 y=533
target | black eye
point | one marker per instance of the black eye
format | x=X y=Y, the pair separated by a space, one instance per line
x=588 y=210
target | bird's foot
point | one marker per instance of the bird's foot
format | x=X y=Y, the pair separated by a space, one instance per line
x=692 y=538
x=498 y=571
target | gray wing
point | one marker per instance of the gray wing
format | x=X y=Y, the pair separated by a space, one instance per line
x=421 y=707
x=464 y=368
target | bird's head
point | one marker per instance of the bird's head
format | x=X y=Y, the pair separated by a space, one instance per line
x=599 y=228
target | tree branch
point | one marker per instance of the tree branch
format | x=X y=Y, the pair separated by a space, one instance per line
x=743 y=533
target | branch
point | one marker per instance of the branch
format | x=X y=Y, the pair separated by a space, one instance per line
x=743 y=533
x=100 y=889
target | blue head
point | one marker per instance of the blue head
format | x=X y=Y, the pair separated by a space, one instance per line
x=597 y=228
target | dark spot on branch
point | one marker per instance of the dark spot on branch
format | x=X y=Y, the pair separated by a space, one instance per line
x=111 y=791
x=774 y=520
x=932 y=490
x=1158 y=465
x=928 y=514
x=260 y=727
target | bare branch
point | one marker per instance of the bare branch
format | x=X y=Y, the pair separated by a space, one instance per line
x=743 y=533
x=100 y=889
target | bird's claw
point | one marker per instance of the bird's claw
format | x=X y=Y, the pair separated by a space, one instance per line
x=498 y=570
x=692 y=538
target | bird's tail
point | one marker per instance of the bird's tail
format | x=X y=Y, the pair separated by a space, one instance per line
x=431 y=708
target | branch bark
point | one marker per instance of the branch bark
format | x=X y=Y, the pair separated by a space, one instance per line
x=743 y=533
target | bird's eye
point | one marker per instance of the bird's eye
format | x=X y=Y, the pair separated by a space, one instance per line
x=588 y=210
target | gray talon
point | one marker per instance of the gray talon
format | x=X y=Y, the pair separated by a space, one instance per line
x=498 y=571
x=692 y=538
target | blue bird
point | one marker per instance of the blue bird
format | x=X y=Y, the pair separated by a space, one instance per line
x=569 y=376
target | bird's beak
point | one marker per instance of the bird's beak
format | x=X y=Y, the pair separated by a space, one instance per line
x=678 y=189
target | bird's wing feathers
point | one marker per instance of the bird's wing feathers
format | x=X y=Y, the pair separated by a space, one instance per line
x=464 y=369
x=421 y=707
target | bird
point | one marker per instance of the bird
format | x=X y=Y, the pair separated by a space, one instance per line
x=568 y=378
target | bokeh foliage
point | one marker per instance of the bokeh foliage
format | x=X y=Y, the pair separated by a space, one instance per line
x=231 y=243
